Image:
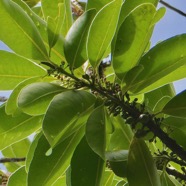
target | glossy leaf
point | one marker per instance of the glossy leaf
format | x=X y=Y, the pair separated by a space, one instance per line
x=98 y=4
x=16 y=150
x=13 y=129
x=50 y=168
x=165 y=180
x=35 y=98
x=133 y=37
x=63 y=111
x=178 y=127
x=11 y=104
x=15 y=69
x=176 y=106
x=141 y=165
x=17 y=24
x=76 y=38
x=86 y=166
x=159 y=62
x=102 y=31
x=157 y=99
x=118 y=162
x=18 y=178
x=96 y=131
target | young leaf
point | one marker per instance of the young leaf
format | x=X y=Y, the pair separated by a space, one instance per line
x=17 y=24
x=16 y=150
x=76 y=38
x=133 y=37
x=159 y=62
x=96 y=131
x=35 y=98
x=18 y=178
x=108 y=177
x=86 y=166
x=176 y=106
x=141 y=165
x=98 y=5
x=102 y=31
x=50 y=168
x=24 y=69
x=13 y=129
x=63 y=111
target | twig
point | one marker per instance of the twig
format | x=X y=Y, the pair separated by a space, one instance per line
x=173 y=8
x=9 y=160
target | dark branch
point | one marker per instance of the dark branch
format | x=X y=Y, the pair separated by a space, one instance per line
x=9 y=160
x=173 y=8
x=176 y=174
x=2 y=99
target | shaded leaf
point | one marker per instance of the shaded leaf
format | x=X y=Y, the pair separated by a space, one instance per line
x=15 y=69
x=108 y=177
x=63 y=111
x=159 y=62
x=102 y=31
x=176 y=106
x=165 y=180
x=86 y=166
x=18 y=178
x=35 y=98
x=50 y=168
x=17 y=24
x=76 y=38
x=141 y=165
x=96 y=131
x=13 y=129
x=133 y=37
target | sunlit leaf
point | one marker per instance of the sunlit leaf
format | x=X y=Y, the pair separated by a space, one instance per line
x=159 y=62
x=102 y=31
x=86 y=166
x=31 y=3
x=176 y=106
x=20 y=33
x=96 y=131
x=13 y=129
x=133 y=37
x=18 y=178
x=15 y=69
x=76 y=38
x=108 y=177
x=16 y=150
x=65 y=109
x=97 y=5
x=50 y=168
x=141 y=165
x=35 y=98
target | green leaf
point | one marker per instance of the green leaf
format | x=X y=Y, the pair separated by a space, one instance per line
x=31 y=3
x=16 y=150
x=35 y=98
x=141 y=165
x=96 y=131
x=50 y=168
x=122 y=131
x=159 y=62
x=11 y=104
x=102 y=31
x=98 y=4
x=18 y=178
x=54 y=26
x=133 y=38
x=118 y=162
x=14 y=69
x=165 y=180
x=17 y=24
x=178 y=129
x=156 y=99
x=76 y=38
x=13 y=129
x=108 y=177
x=86 y=166
x=176 y=106
x=61 y=181
x=63 y=111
